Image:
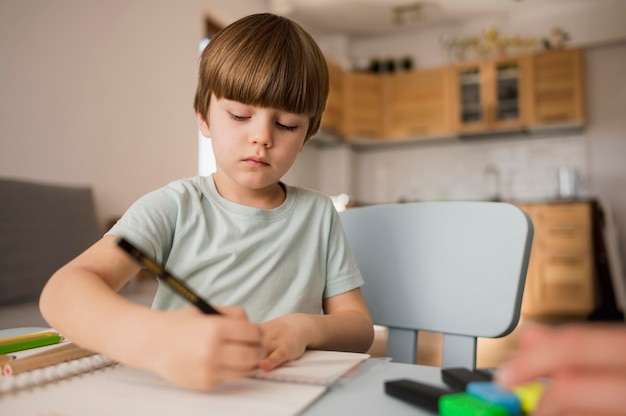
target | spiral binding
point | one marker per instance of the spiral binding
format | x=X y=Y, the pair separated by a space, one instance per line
x=53 y=373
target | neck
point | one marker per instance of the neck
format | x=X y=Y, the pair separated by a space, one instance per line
x=269 y=197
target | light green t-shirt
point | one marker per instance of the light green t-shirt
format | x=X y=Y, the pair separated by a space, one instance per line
x=271 y=262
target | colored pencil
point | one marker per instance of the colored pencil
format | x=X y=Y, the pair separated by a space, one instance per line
x=47 y=358
x=24 y=342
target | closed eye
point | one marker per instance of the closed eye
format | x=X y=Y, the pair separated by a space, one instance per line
x=238 y=118
x=284 y=127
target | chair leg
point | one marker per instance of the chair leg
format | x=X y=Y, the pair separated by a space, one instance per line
x=459 y=351
x=402 y=345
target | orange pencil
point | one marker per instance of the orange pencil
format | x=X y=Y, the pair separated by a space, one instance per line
x=26 y=337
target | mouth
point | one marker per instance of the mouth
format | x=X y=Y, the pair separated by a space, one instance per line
x=255 y=162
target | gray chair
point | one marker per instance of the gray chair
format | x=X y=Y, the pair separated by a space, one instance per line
x=456 y=268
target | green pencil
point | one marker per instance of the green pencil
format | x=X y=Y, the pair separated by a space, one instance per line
x=26 y=342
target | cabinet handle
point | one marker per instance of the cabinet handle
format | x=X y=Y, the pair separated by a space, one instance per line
x=564 y=259
x=418 y=130
x=555 y=117
x=566 y=231
x=578 y=251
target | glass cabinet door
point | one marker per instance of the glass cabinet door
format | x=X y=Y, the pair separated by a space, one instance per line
x=507 y=99
x=470 y=85
x=472 y=91
x=489 y=95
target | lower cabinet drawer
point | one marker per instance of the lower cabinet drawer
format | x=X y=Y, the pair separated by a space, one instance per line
x=558 y=215
x=560 y=279
x=564 y=286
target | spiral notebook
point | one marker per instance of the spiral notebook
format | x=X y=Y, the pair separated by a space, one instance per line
x=314 y=367
x=94 y=385
x=49 y=364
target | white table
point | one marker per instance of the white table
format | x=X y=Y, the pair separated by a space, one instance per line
x=361 y=393
x=364 y=393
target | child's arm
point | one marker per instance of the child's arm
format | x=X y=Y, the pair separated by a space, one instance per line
x=345 y=326
x=185 y=347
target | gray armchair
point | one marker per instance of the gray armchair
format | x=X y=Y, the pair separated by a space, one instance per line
x=42 y=227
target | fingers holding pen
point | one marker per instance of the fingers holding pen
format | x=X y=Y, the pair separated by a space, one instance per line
x=204 y=350
x=234 y=350
x=244 y=342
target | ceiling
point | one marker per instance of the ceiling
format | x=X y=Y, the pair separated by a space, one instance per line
x=362 y=18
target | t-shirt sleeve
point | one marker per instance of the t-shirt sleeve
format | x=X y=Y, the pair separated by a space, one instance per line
x=343 y=274
x=149 y=224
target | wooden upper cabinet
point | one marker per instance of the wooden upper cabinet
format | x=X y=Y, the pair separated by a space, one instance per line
x=333 y=117
x=417 y=104
x=490 y=95
x=363 y=111
x=498 y=95
x=557 y=87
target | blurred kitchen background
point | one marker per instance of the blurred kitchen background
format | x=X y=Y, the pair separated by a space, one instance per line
x=100 y=93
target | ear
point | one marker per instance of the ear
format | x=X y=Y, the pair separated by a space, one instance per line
x=203 y=126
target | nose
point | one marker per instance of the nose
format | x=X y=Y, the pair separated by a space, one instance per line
x=261 y=134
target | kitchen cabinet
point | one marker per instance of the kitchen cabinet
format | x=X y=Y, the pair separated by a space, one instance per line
x=490 y=95
x=560 y=279
x=364 y=105
x=333 y=116
x=544 y=89
x=557 y=87
x=417 y=104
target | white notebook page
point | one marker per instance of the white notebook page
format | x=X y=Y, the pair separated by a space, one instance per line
x=120 y=390
x=315 y=367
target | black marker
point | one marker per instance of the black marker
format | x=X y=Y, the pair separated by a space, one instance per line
x=457 y=378
x=173 y=282
x=416 y=393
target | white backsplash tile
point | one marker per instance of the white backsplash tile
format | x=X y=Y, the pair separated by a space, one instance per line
x=526 y=169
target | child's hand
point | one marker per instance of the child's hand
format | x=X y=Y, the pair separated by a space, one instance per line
x=585 y=366
x=200 y=351
x=285 y=339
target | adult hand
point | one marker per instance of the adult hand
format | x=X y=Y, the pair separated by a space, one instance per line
x=585 y=368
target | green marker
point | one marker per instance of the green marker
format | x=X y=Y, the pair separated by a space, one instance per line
x=462 y=404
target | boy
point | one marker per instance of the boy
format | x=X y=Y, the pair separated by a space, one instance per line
x=240 y=238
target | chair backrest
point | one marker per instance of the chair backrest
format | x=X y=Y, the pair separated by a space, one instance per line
x=42 y=227
x=457 y=268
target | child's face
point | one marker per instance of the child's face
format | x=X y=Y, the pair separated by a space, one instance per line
x=253 y=146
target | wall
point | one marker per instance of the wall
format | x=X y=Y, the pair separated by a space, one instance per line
x=101 y=92
x=606 y=134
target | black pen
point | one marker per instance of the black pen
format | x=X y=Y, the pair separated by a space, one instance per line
x=173 y=282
